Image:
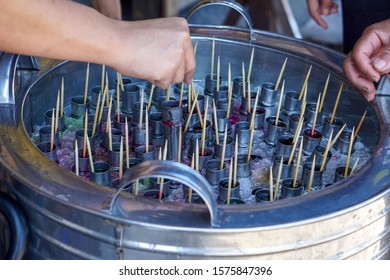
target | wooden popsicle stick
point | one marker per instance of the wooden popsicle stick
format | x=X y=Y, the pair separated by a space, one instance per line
x=218 y=71
x=212 y=59
x=280 y=104
x=278 y=178
x=215 y=123
x=292 y=153
x=327 y=148
x=223 y=148
x=197 y=107
x=302 y=113
x=229 y=92
x=102 y=107
x=86 y=84
x=165 y=151
x=229 y=190
x=179 y=145
x=76 y=158
x=168 y=96
x=298 y=130
x=249 y=90
x=280 y=74
x=235 y=161
x=62 y=97
x=197 y=156
x=56 y=116
x=109 y=114
x=271 y=185
x=160 y=154
x=250 y=144
x=349 y=152
x=160 y=192
x=120 y=173
x=85 y=134
x=311 y=174
x=305 y=82
x=151 y=96
x=324 y=92
x=305 y=92
x=121 y=82
x=96 y=116
x=52 y=133
x=118 y=107
x=109 y=132
x=189 y=98
x=106 y=89
x=337 y=135
x=181 y=94
x=136 y=187
x=204 y=126
x=90 y=156
x=359 y=125
x=297 y=164
x=146 y=131
x=127 y=143
x=336 y=103
x=191 y=112
x=354 y=167
x=141 y=109
x=195 y=48
x=250 y=66
x=243 y=80
x=199 y=114
x=248 y=102
x=252 y=125
x=102 y=81
x=315 y=116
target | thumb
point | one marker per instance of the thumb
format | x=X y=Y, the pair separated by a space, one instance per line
x=382 y=61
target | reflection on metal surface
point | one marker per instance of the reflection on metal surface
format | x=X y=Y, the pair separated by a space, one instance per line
x=383 y=97
x=384 y=85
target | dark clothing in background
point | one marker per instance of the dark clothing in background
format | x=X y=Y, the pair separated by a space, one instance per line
x=359 y=14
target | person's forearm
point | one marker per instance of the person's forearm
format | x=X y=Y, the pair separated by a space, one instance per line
x=55 y=29
x=157 y=50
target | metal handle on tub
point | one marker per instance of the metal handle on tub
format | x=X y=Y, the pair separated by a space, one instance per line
x=227 y=3
x=17 y=225
x=9 y=63
x=174 y=171
x=384 y=85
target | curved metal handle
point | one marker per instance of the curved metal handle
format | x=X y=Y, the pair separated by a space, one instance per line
x=384 y=85
x=18 y=226
x=174 y=171
x=227 y=3
x=9 y=63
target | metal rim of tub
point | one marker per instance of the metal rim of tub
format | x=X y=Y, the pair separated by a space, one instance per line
x=29 y=174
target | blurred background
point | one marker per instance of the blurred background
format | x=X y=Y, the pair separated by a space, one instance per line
x=288 y=17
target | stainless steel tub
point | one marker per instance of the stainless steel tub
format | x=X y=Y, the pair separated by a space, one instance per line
x=71 y=218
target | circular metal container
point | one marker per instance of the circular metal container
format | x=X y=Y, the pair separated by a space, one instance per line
x=72 y=218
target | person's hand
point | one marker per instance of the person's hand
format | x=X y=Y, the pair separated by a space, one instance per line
x=109 y=8
x=369 y=59
x=318 y=8
x=158 y=50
